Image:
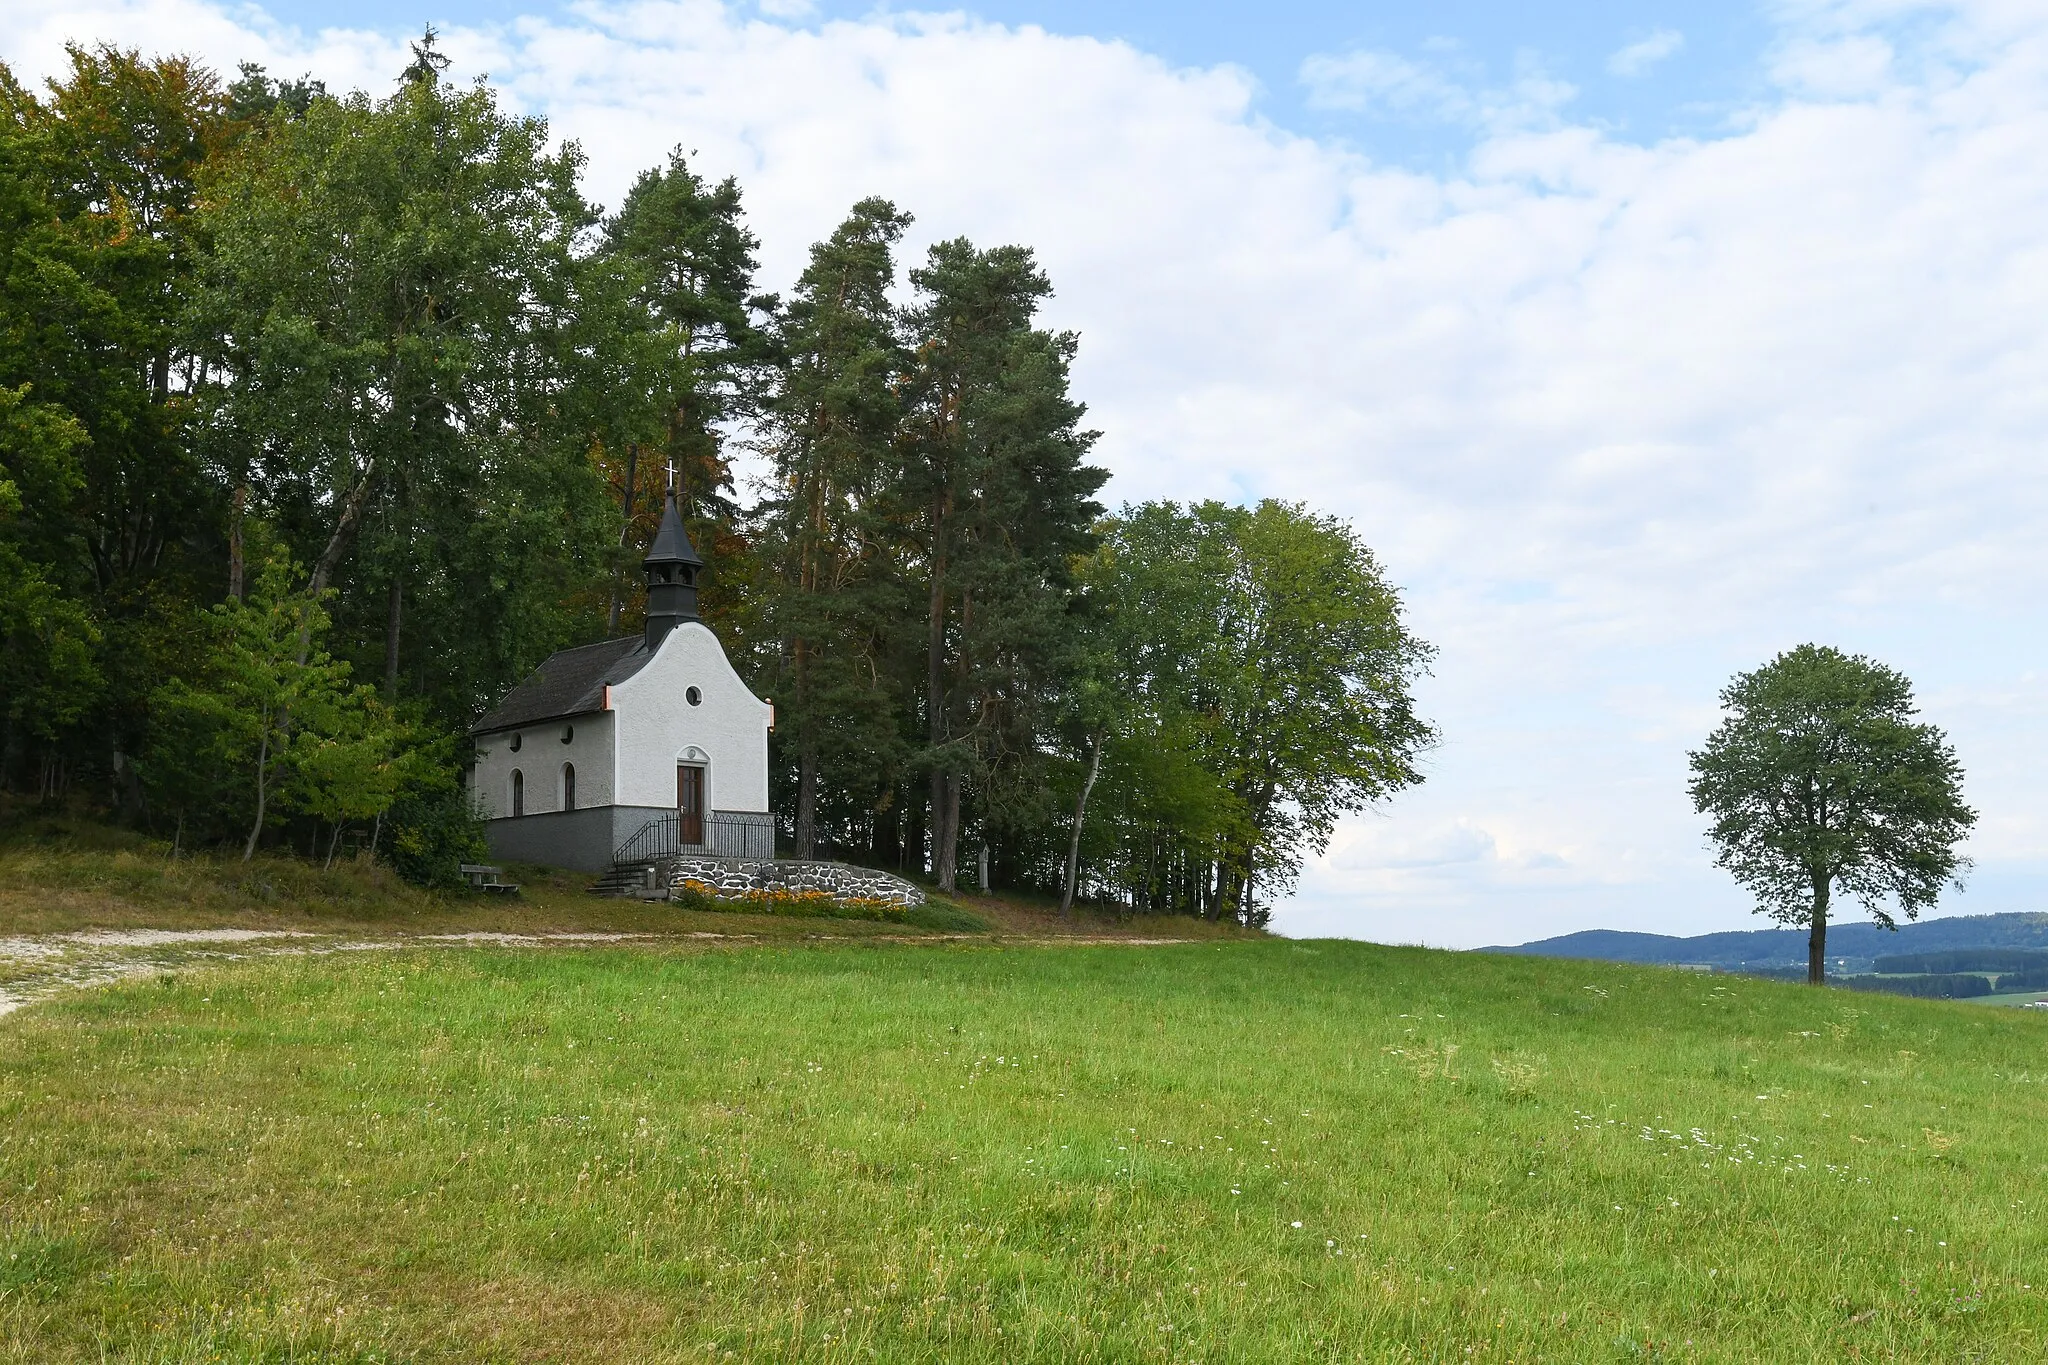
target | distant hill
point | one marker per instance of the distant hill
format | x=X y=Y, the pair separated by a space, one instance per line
x=1852 y=947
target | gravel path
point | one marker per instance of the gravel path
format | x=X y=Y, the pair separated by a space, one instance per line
x=41 y=965
x=35 y=966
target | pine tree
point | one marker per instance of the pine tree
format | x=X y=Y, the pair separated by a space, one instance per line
x=996 y=473
x=690 y=262
x=832 y=429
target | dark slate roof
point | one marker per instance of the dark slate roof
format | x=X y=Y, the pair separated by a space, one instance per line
x=570 y=683
x=672 y=543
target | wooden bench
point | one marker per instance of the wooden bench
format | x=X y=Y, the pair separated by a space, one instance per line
x=484 y=877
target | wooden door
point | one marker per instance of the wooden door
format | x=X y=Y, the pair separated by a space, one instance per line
x=689 y=803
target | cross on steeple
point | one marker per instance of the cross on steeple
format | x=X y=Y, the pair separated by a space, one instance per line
x=671 y=476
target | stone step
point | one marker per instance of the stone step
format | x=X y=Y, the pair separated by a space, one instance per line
x=632 y=881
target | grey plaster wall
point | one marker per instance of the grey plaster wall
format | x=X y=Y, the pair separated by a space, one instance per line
x=580 y=839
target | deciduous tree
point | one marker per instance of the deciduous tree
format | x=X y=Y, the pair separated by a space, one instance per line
x=97 y=191
x=1266 y=645
x=393 y=309
x=1822 y=780
x=270 y=697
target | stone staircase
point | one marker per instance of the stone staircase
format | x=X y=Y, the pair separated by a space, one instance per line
x=643 y=881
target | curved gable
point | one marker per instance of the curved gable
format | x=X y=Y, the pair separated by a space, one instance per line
x=690 y=656
x=658 y=726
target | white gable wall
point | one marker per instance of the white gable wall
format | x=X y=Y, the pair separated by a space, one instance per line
x=727 y=731
x=592 y=747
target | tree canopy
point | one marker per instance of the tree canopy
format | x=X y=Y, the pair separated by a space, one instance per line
x=1821 y=780
x=1255 y=684
x=325 y=417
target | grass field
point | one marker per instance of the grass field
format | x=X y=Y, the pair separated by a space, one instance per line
x=136 y=884
x=1248 y=1151
x=87 y=877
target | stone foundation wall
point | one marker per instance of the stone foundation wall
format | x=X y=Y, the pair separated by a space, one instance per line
x=735 y=877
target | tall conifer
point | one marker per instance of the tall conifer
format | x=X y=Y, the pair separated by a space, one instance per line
x=833 y=426
x=1002 y=498
x=691 y=265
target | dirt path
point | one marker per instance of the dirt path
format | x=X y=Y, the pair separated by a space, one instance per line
x=35 y=966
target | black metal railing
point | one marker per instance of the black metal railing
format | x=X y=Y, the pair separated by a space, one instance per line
x=726 y=835
x=653 y=840
x=736 y=836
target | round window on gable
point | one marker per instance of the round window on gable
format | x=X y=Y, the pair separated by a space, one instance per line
x=693 y=696
x=568 y=733
x=515 y=743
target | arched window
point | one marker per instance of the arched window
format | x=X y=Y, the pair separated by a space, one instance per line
x=568 y=786
x=518 y=792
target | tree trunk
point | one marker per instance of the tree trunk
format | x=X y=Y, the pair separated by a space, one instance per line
x=1817 y=939
x=946 y=831
x=345 y=525
x=262 y=762
x=237 y=508
x=611 y=620
x=332 y=842
x=394 y=612
x=910 y=855
x=807 y=803
x=1229 y=891
x=945 y=788
x=935 y=707
x=344 y=534
x=1074 y=843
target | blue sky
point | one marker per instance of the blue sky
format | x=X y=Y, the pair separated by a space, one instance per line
x=1641 y=342
x=1643 y=70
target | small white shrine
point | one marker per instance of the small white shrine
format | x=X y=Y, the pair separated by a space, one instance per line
x=621 y=750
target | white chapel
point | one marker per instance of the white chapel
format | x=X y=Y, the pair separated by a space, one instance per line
x=631 y=749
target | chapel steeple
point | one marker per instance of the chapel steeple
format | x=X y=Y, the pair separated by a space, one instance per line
x=671 y=566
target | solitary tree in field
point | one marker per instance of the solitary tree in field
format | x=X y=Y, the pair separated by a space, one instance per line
x=1820 y=780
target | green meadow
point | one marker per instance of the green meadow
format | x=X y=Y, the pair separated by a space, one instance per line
x=1250 y=1151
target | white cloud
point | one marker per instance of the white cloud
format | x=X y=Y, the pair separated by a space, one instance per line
x=1622 y=419
x=1373 y=846
x=1383 y=84
x=1363 y=80
x=1639 y=56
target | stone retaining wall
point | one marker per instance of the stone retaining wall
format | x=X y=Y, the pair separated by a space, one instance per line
x=735 y=877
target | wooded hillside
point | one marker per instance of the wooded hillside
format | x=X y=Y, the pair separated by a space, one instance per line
x=324 y=418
